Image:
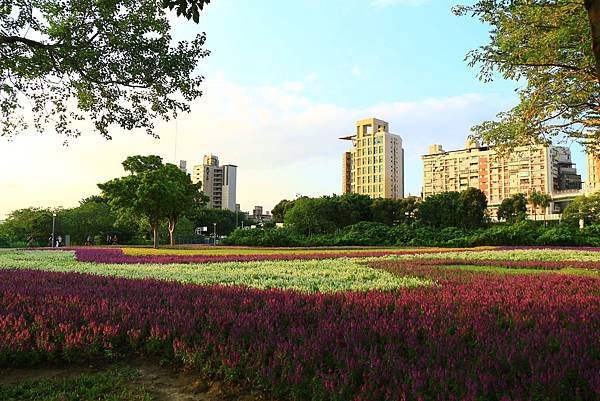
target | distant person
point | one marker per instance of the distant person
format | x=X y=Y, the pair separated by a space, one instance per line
x=88 y=241
x=108 y=239
x=50 y=240
x=115 y=240
x=30 y=241
x=59 y=242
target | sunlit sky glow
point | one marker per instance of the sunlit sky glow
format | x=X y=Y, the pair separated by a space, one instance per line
x=284 y=81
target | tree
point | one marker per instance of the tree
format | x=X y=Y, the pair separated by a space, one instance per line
x=386 y=211
x=544 y=201
x=281 y=209
x=312 y=216
x=441 y=210
x=539 y=199
x=35 y=223
x=513 y=209
x=225 y=220
x=111 y=62
x=549 y=45
x=92 y=217
x=351 y=208
x=153 y=191
x=585 y=208
x=473 y=204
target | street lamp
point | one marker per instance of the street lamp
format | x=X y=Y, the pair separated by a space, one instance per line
x=215 y=231
x=53 y=218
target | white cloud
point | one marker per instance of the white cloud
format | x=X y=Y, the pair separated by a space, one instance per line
x=387 y=3
x=283 y=142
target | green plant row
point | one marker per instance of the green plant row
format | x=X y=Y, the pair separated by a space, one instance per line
x=377 y=234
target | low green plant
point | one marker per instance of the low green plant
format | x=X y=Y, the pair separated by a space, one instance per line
x=115 y=384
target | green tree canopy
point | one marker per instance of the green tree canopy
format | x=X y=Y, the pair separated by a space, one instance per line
x=441 y=210
x=548 y=45
x=513 y=209
x=110 y=62
x=473 y=205
x=280 y=209
x=586 y=208
x=153 y=191
x=32 y=222
x=394 y=211
x=312 y=216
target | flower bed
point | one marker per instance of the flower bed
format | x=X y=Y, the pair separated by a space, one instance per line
x=511 y=264
x=116 y=255
x=240 y=251
x=303 y=275
x=492 y=337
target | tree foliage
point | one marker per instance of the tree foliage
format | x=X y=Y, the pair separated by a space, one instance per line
x=111 y=62
x=280 y=209
x=548 y=44
x=394 y=211
x=441 y=210
x=188 y=8
x=513 y=209
x=586 y=208
x=153 y=191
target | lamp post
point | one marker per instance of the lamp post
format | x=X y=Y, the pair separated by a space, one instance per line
x=53 y=218
x=215 y=234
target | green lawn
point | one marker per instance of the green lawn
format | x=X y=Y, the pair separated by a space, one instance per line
x=116 y=384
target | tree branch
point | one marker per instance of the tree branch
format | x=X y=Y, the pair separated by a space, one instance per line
x=25 y=41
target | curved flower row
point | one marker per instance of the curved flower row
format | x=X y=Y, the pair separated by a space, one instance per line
x=509 y=264
x=499 y=337
x=116 y=255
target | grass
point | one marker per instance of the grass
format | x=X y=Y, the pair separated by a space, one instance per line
x=116 y=384
x=329 y=275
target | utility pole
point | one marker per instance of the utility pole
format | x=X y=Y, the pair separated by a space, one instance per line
x=215 y=234
x=53 y=218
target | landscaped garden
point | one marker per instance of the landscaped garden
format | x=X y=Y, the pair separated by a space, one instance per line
x=317 y=324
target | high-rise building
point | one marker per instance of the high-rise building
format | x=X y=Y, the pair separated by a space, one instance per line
x=593 y=182
x=183 y=166
x=375 y=164
x=218 y=182
x=539 y=168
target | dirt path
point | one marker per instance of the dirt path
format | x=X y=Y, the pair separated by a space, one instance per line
x=163 y=383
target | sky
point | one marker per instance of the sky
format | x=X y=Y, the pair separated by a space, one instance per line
x=283 y=82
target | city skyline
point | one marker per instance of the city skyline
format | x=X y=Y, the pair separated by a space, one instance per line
x=279 y=117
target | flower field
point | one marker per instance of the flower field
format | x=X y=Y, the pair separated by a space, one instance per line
x=420 y=326
x=301 y=275
x=148 y=255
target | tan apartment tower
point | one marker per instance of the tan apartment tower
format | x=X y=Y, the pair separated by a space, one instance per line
x=593 y=181
x=218 y=182
x=539 y=168
x=374 y=166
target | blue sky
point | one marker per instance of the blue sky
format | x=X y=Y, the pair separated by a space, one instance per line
x=286 y=79
x=362 y=51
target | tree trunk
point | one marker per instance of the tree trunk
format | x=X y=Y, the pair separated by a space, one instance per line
x=172 y=224
x=544 y=210
x=593 y=9
x=155 y=235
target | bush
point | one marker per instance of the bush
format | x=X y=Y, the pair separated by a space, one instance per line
x=264 y=237
x=367 y=234
x=377 y=234
x=558 y=235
